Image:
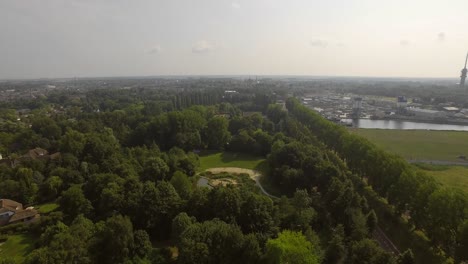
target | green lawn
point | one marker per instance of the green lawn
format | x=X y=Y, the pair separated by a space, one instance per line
x=419 y=144
x=47 y=208
x=229 y=159
x=17 y=247
x=451 y=176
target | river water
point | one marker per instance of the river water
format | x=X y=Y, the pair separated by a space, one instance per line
x=396 y=124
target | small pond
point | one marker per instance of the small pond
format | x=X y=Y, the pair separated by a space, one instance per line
x=203 y=182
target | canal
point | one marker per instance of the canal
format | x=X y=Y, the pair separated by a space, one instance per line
x=397 y=124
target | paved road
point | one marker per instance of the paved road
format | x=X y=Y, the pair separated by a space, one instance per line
x=440 y=162
x=257 y=181
x=384 y=241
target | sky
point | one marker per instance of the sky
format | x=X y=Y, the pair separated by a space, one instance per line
x=104 y=38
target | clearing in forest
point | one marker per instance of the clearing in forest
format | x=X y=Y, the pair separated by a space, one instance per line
x=253 y=174
x=210 y=160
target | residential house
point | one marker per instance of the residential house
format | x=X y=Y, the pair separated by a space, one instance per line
x=36 y=153
x=13 y=212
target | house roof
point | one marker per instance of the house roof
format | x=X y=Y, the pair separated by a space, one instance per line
x=4 y=210
x=10 y=204
x=23 y=214
x=55 y=156
x=36 y=153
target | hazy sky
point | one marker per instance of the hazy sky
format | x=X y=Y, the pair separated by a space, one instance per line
x=67 y=38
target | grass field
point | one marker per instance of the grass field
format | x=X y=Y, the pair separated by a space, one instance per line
x=47 y=208
x=229 y=159
x=451 y=176
x=419 y=144
x=16 y=247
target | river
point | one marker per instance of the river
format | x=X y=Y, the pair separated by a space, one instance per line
x=397 y=124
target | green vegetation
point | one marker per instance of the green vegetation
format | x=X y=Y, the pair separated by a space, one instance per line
x=47 y=207
x=291 y=247
x=438 y=212
x=17 y=247
x=241 y=180
x=419 y=144
x=229 y=159
x=124 y=183
x=451 y=176
x=426 y=145
x=403 y=235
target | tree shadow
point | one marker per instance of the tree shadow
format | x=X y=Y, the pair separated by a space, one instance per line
x=263 y=168
x=233 y=156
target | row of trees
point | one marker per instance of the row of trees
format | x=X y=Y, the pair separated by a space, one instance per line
x=299 y=160
x=439 y=211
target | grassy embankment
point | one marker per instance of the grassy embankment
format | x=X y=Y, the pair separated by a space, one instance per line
x=445 y=146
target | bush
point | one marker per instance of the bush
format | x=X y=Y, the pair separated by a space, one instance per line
x=14 y=228
x=3 y=238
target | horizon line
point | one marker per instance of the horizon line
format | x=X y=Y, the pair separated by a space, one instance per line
x=246 y=76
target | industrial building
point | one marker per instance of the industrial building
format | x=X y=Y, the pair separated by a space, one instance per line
x=463 y=73
x=425 y=113
x=357 y=105
x=402 y=104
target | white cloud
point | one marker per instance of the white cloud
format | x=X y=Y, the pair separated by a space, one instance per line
x=154 y=49
x=202 y=46
x=235 y=5
x=441 y=37
x=404 y=42
x=319 y=43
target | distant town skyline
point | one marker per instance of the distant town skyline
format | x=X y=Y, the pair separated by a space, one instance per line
x=104 y=38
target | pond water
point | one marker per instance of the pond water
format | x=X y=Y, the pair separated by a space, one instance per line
x=396 y=124
x=203 y=182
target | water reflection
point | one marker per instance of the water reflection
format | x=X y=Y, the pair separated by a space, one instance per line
x=395 y=124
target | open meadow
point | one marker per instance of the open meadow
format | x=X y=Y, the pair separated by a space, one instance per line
x=451 y=176
x=230 y=159
x=427 y=146
x=419 y=144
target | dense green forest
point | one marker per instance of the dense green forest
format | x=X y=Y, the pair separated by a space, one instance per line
x=123 y=164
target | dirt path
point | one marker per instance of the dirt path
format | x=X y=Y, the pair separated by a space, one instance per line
x=384 y=241
x=440 y=162
x=254 y=175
